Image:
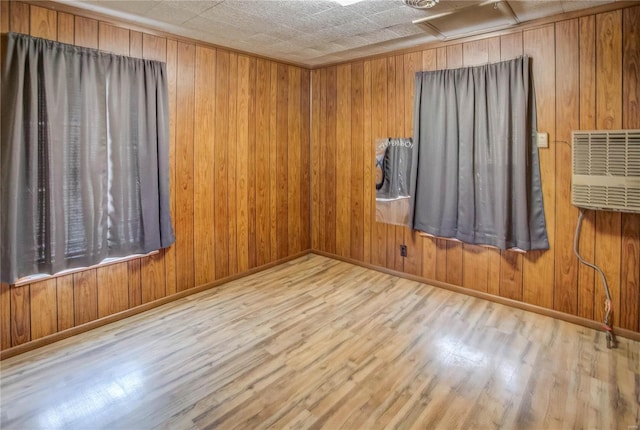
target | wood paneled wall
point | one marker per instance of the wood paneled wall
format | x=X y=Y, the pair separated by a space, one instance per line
x=586 y=73
x=239 y=182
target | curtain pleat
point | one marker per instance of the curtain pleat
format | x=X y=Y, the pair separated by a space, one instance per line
x=475 y=170
x=84 y=157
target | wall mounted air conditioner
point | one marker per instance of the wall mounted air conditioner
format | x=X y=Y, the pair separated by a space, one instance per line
x=606 y=170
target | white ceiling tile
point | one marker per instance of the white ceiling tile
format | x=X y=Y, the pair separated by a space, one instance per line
x=404 y=30
x=314 y=32
x=370 y=7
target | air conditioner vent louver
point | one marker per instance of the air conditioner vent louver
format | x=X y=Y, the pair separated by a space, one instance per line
x=606 y=170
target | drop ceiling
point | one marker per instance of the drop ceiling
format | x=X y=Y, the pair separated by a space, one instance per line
x=318 y=32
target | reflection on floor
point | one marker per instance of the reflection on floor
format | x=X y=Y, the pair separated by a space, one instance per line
x=317 y=343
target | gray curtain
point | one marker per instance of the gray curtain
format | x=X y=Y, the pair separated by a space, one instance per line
x=475 y=170
x=84 y=157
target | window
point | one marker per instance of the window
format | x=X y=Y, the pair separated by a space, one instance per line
x=84 y=158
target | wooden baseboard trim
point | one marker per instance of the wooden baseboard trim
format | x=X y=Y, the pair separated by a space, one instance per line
x=585 y=322
x=55 y=337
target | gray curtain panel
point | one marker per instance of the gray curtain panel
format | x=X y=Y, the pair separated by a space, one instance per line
x=475 y=169
x=84 y=157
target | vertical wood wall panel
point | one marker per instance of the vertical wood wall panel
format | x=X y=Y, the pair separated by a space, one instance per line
x=65 y=28
x=113 y=39
x=172 y=84
x=305 y=160
x=608 y=116
x=43 y=307
x=630 y=257
x=204 y=167
x=5 y=309
x=183 y=222
x=379 y=118
x=294 y=158
x=586 y=275
x=538 y=266
x=282 y=171
x=343 y=161
x=232 y=158
x=368 y=156
x=64 y=298
x=586 y=77
x=113 y=289
x=412 y=64
x=565 y=293
x=223 y=143
x=356 y=181
x=85 y=297
x=20 y=315
x=19 y=21
x=263 y=214
x=242 y=165
x=44 y=23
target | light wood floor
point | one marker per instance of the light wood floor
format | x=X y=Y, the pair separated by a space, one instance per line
x=317 y=343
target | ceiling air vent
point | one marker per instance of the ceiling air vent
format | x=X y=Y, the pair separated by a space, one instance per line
x=421 y=4
x=606 y=170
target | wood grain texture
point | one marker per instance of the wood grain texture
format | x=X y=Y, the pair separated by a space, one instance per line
x=113 y=39
x=20 y=315
x=282 y=169
x=343 y=161
x=368 y=167
x=5 y=311
x=329 y=168
x=86 y=32
x=232 y=157
x=172 y=87
x=586 y=275
x=183 y=222
x=565 y=293
x=263 y=174
x=44 y=23
x=356 y=180
x=204 y=147
x=630 y=252
x=4 y=18
x=152 y=277
x=251 y=168
x=305 y=160
x=85 y=296
x=608 y=116
x=135 y=44
x=19 y=17
x=65 y=28
x=242 y=165
x=412 y=239
x=113 y=289
x=221 y=223
x=64 y=298
x=135 y=283
x=379 y=118
x=309 y=347
x=294 y=158
x=43 y=306
x=539 y=266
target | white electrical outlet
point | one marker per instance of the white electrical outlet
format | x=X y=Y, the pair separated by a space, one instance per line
x=543 y=140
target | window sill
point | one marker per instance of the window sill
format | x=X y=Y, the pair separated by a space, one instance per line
x=451 y=239
x=107 y=262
